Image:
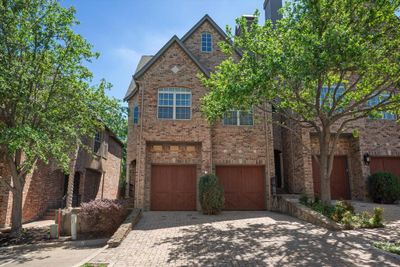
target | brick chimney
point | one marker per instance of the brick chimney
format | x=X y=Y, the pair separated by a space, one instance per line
x=271 y=8
x=250 y=20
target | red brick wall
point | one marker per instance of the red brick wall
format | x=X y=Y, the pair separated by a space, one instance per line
x=214 y=144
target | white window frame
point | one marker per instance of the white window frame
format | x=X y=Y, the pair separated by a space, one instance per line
x=201 y=42
x=100 y=134
x=238 y=118
x=387 y=116
x=174 y=91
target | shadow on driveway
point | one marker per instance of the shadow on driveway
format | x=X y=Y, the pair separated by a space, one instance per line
x=240 y=239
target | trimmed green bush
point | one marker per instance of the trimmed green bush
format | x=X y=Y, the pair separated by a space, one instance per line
x=211 y=194
x=384 y=187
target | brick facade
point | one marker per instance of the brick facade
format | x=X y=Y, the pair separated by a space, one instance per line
x=44 y=188
x=376 y=138
x=194 y=141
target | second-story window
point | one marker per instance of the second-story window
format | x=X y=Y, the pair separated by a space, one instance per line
x=174 y=104
x=238 y=117
x=97 y=143
x=135 y=114
x=206 y=42
x=326 y=96
x=381 y=114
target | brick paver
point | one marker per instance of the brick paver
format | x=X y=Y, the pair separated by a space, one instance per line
x=242 y=239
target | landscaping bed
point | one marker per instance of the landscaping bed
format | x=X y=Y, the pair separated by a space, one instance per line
x=392 y=247
x=343 y=213
x=27 y=236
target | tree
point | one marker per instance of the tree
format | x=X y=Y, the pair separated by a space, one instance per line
x=321 y=67
x=46 y=103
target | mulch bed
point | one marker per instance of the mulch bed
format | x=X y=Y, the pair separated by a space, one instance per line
x=27 y=236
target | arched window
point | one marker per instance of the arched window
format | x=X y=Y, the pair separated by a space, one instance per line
x=174 y=104
x=135 y=114
x=206 y=42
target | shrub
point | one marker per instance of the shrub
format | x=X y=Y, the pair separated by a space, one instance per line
x=102 y=217
x=340 y=209
x=393 y=247
x=304 y=199
x=377 y=218
x=343 y=213
x=347 y=220
x=211 y=194
x=384 y=187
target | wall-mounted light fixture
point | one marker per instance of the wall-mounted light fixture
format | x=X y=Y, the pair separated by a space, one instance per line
x=367 y=159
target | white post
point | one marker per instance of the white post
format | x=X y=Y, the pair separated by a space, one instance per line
x=74 y=219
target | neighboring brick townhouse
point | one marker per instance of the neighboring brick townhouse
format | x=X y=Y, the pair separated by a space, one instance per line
x=170 y=144
x=96 y=176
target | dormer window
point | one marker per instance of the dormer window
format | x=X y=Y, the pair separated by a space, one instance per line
x=206 y=42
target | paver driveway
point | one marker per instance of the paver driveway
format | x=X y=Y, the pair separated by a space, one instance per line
x=242 y=239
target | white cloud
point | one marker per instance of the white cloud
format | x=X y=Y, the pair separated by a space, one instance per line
x=126 y=56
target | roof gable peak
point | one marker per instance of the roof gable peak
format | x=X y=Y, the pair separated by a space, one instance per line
x=206 y=17
x=162 y=50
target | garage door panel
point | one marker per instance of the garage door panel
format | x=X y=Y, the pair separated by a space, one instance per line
x=227 y=179
x=185 y=200
x=173 y=187
x=243 y=186
x=252 y=181
x=232 y=200
x=387 y=164
x=255 y=200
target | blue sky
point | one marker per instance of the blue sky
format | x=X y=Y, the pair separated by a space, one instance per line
x=123 y=30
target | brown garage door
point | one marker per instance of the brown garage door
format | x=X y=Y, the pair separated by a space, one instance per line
x=244 y=187
x=388 y=164
x=173 y=187
x=340 y=186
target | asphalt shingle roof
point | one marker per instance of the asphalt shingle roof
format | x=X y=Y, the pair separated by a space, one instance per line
x=132 y=86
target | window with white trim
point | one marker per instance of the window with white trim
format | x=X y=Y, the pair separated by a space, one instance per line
x=381 y=114
x=174 y=104
x=238 y=117
x=206 y=42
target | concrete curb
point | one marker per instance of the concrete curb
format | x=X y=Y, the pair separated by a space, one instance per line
x=124 y=229
x=90 y=257
x=76 y=243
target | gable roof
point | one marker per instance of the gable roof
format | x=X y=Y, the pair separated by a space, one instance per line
x=216 y=27
x=162 y=50
x=132 y=86
x=198 y=24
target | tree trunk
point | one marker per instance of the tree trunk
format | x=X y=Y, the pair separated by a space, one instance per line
x=71 y=177
x=324 y=167
x=16 y=214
